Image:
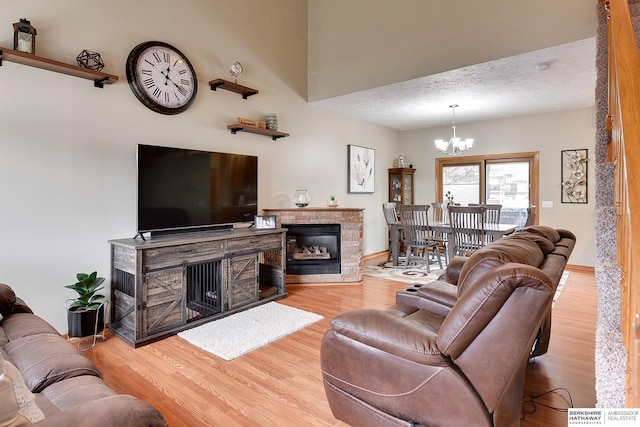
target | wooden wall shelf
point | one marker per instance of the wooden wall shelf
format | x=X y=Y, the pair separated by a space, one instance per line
x=252 y=129
x=233 y=87
x=99 y=79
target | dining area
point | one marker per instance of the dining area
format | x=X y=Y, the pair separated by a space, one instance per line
x=425 y=234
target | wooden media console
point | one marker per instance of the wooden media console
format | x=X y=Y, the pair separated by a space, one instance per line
x=171 y=283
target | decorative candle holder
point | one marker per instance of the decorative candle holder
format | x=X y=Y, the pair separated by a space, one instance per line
x=301 y=198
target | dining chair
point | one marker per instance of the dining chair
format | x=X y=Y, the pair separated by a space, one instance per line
x=437 y=214
x=491 y=216
x=467 y=226
x=531 y=215
x=516 y=216
x=418 y=241
x=437 y=211
x=391 y=216
x=491 y=213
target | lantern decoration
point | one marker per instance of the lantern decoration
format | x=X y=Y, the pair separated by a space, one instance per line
x=24 y=37
x=90 y=60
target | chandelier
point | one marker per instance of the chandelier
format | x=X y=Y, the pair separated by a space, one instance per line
x=455 y=145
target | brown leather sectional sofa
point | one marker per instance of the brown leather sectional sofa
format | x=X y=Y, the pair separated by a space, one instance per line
x=67 y=386
x=452 y=352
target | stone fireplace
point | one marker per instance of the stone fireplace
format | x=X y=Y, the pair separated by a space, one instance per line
x=324 y=245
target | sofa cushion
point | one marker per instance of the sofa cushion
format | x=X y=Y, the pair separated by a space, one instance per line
x=71 y=392
x=20 y=325
x=7 y=300
x=545 y=231
x=48 y=358
x=21 y=307
x=3 y=338
x=500 y=252
x=554 y=266
x=545 y=245
x=409 y=335
x=18 y=403
x=116 y=410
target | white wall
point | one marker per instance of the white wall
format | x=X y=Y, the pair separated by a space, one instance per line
x=360 y=44
x=67 y=149
x=547 y=133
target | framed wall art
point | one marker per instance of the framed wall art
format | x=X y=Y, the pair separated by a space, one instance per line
x=361 y=172
x=574 y=175
x=265 y=222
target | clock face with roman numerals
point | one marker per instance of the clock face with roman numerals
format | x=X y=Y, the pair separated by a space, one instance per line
x=161 y=77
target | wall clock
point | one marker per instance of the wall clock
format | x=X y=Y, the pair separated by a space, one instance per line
x=161 y=77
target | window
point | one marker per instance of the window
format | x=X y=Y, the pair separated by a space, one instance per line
x=463 y=181
x=510 y=180
x=508 y=183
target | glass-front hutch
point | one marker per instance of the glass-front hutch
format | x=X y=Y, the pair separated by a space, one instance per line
x=401 y=185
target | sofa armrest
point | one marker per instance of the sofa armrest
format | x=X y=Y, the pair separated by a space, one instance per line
x=21 y=307
x=118 y=410
x=452 y=272
x=440 y=292
x=436 y=297
x=566 y=234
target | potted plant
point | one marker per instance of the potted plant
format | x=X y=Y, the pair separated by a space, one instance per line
x=85 y=314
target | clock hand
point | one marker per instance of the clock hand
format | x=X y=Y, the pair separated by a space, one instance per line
x=168 y=78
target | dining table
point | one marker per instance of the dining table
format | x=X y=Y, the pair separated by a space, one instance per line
x=496 y=231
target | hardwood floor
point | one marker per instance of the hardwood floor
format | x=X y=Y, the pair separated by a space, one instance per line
x=280 y=384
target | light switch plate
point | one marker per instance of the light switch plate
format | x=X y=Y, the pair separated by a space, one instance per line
x=547 y=203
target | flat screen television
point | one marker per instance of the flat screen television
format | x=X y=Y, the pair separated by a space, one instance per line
x=185 y=190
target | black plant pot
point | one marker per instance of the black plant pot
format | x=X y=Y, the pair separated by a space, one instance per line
x=82 y=323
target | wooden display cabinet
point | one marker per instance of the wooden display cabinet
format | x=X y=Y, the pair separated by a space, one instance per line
x=401 y=185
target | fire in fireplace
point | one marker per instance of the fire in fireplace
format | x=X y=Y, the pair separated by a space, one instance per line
x=313 y=248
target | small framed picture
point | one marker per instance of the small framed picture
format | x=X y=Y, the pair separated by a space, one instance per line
x=265 y=222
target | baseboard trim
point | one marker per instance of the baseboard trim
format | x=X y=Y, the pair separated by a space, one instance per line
x=374 y=255
x=582 y=268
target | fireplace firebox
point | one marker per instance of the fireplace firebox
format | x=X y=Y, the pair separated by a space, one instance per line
x=313 y=248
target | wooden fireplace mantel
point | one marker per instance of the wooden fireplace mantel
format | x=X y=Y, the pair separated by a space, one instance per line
x=310 y=209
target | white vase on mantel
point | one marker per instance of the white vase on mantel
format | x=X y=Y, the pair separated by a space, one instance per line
x=332 y=203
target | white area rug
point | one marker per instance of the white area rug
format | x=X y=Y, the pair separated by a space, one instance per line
x=240 y=333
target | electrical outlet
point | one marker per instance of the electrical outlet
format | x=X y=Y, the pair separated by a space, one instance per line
x=547 y=203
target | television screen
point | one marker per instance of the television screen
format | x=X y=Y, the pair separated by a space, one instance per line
x=183 y=189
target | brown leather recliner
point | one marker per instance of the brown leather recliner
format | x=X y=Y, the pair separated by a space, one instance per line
x=459 y=360
x=554 y=246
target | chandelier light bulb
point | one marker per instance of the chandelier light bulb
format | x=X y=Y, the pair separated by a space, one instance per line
x=455 y=145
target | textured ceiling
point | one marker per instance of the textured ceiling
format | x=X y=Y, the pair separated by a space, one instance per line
x=506 y=87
